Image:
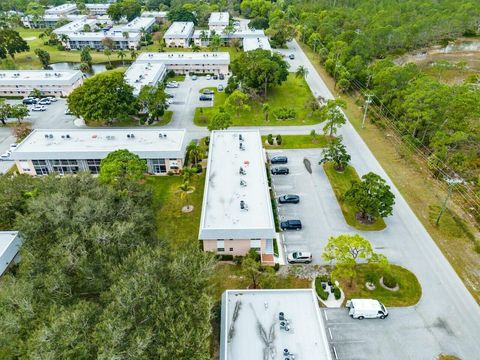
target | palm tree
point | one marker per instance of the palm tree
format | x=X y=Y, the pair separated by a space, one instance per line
x=133 y=54
x=195 y=48
x=195 y=152
x=302 y=71
x=185 y=190
x=203 y=38
x=121 y=55
x=266 y=111
x=188 y=173
x=107 y=53
x=64 y=39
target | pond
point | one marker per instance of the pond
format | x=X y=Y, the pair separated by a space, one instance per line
x=96 y=68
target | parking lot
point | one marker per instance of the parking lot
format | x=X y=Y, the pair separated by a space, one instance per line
x=318 y=209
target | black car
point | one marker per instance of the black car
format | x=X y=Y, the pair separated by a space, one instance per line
x=289 y=199
x=221 y=77
x=208 y=92
x=291 y=225
x=204 y=97
x=280 y=170
x=215 y=77
x=279 y=160
x=29 y=101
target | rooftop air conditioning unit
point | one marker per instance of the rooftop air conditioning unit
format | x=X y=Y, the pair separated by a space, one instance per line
x=67 y=136
x=243 y=205
x=241 y=146
x=242 y=171
x=240 y=137
x=243 y=183
x=132 y=136
x=50 y=136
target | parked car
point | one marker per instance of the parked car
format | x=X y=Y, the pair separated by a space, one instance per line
x=366 y=308
x=194 y=77
x=291 y=56
x=5 y=155
x=205 y=98
x=170 y=96
x=220 y=87
x=221 y=77
x=67 y=111
x=289 y=199
x=13 y=147
x=169 y=101
x=298 y=257
x=44 y=101
x=38 y=108
x=209 y=77
x=52 y=98
x=208 y=92
x=29 y=101
x=215 y=77
x=291 y=225
x=279 y=159
x=172 y=84
x=280 y=170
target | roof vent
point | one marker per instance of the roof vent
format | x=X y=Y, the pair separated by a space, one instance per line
x=241 y=146
x=160 y=135
x=67 y=136
x=50 y=136
x=110 y=137
x=242 y=171
x=243 y=205
x=243 y=183
x=240 y=137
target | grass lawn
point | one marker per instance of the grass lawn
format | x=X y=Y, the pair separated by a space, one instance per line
x=456 y=234
x=166 y=118
x=293 y=93
x=408 y=294
x=340 y=183
x=177 y=78
x=297 y=142
x=173 y=225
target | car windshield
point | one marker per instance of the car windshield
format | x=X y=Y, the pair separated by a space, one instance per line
x=296 y=255
x=383 y=308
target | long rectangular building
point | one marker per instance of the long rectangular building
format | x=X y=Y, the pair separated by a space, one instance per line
x=141 y=74
x=49 y=82
x=10 y=242
x=272 y=324
x=70 y=151
x=179 y=34
x=237 y=211
x=64 y=9
x=185 y=62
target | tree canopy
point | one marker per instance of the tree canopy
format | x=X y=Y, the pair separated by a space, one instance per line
x=336 y=153
x=124 y=8
x=121 y=167
x=105 y=97
x=11 y=43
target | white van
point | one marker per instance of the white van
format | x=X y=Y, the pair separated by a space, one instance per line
x=366 y=309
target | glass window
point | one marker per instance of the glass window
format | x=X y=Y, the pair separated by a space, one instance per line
x=40 y=167
x=158 y=166
x=94 y=166
x=65 y=166
x=220 y=245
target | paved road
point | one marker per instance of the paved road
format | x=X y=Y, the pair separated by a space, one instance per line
x=447 y=313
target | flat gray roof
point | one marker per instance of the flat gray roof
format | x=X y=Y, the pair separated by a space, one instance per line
x=98 y=143
x=138 y=23
x=256 y=43
x=6 y=238
x=174 y=58
x=244 y=312
x=180 y=30
x=75 y=26
x=219 y=18
x=141 y=74
x=61 y=9
x=222 y=217
x=39 y=77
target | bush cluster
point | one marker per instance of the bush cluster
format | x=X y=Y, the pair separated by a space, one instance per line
x=320 y=290
x=285 y=113
x=389 y=280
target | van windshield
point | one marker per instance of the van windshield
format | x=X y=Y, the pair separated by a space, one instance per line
x=383 y=308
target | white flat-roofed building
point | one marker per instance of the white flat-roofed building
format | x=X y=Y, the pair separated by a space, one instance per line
x=78 y=40
x=159 y=15
x=186 y=62
x=76 y=26
x=139 y=23
x=218 y=21
x=290 y=318
x=64 y=9
x=49 y=82
x=49 y=20
x=70 y=151
x=202 y=37
x=141 y=74
x=179 y=34
x=10 y=242
x=252 y=43
x=237 y=211
x=97 y=9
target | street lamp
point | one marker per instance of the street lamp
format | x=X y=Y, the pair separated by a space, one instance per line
x=451 y=183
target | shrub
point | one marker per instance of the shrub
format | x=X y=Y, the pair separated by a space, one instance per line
x=285 y=113
x=477 y=247
x=270 y=139
x=109 y=66
x=276 y=267
x=320 y=291
x=324 y=278
x=337 y=293
x=238 y=260
x=371 y=277
x=279 y=139
x=224 y=257
x=170 y=173
x=197 y=169
x=275 y=247
x=389 y=280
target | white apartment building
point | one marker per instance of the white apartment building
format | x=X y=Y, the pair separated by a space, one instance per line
x=218 y=21
x=10 y=242
x=78 y=40
x=76 y=26
x=290 y=318
x=140 y=74
x=179 y=34
x=70 y=151
x=237 y=211
x=49 y=20
x=64 y=9
x=158 y=15
x=251 y=39
x=253 y=43
x=138 y=24
x=49 y=82
x=97 y=9
x=190 y=62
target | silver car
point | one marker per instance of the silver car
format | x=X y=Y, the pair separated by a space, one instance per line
x=298 y=257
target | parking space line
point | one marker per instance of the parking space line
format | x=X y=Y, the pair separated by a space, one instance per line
x=325 y=313
x=335 y=352
x=330 y=333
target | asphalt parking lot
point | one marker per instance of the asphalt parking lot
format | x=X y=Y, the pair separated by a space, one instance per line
x=318 y=209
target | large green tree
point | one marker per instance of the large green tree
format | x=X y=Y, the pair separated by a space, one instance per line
x=332 y=115
x=11 y=43
x=237 y=102
x=336 y=153
x=105 y=97
x=154 y=100
x=260 y=69
x=371 y=197
x=220 y=121
x=43 y=56
x=122 y=167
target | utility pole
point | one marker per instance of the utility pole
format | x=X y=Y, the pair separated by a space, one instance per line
x=368 y=100
x=451 y=182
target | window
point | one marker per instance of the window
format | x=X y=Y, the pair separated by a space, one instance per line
x=256 y=244
x=158 y=166
x=94 y=166
x=220 y=245
x=231 y=249
x=65 y=166
x=40 y=167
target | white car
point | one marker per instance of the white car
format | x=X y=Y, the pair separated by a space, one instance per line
x=13 y=147
x=5 y=155
x=169 y=101
x=208 y=77
x=38 y=108
x=52 y=98
x=172 y=84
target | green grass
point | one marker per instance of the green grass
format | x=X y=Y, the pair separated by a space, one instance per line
x=340 y=183
x=173 y=225
x=408 y=294
x=297 y=142
x=293 y=93
x=177 y=78
x=165 y=119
